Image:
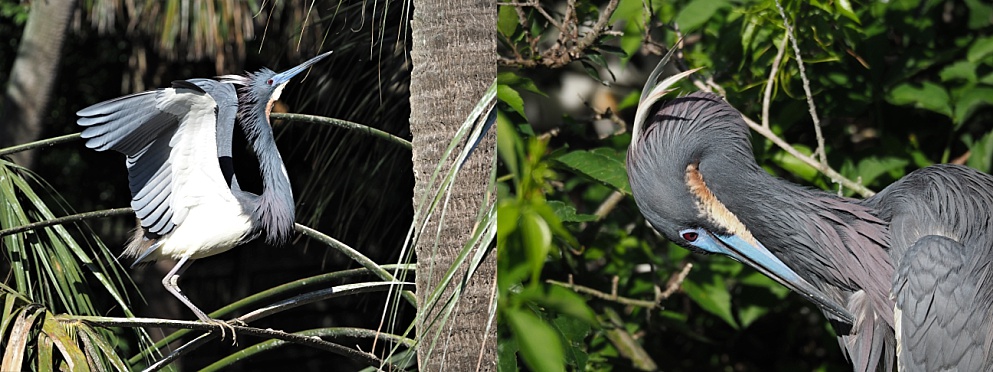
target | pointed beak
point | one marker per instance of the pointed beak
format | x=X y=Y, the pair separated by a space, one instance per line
x=757 y=256
x=285 y=76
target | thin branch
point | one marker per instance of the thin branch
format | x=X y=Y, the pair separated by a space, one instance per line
x=570 y=46
x=823 y=168
x=806 y=87
x=358 y=128
x=767 y=95
x=676 y=280
x=609 y=204
x=356 y=256
x=604 y=296
x=268 y=333
x=40 y=143
x=672 y=285
x=65 y=219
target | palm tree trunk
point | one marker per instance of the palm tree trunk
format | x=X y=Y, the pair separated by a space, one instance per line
x=33 y=74
x=453 y=57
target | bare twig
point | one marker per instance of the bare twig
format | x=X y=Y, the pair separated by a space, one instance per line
x=65 y=219
x=570 y=46
x=671 y=286
x=806 y=87
x=675 y=281
x=821 y=167
x=767 y=95
x=608 y=204
x=604 y=296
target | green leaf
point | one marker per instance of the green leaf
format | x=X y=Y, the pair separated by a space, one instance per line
x=507 y=355
x=574 y=332
x=567 y=213
x=872 y=167
x=844 y=7
x=698 y=12
x=794 y=165
x=982 y=153
x=507 y=22
x=979 y=49
x=537 y=240
x=961 y=70
x=979 y=12
x=713 y=297
x=539 y=344
x=511 y=97
x=928 y=96
x=560 y=300
x=516 y=81
x=969 y=101
x=605 y=165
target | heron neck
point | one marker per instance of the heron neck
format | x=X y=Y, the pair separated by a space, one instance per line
x=830 y=240
x=275 y=209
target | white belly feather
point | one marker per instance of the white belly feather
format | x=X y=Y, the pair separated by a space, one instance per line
x=209 y=218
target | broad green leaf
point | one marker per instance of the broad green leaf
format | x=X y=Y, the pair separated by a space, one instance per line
x=756 y=279
x=928 y=96
x=969 y=101
x=507 y=22
x=512 y=98
x=508 y=144
x=567 y=213
x=844 y=7
x=979 y=49
x=749 y=313
x=713 y=297
x=507 y=355
x=539 y=344
x=872 y=167
x=508 y=213
x=574 y=332
x=518 y=82
x=796 y=166
x=537 y=239
x=605 y=165
x=698 y=12
x=979 y=12
x=982 y=153
x=961 y=70
x=560 y=300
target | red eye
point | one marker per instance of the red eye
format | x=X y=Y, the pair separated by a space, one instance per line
x=269 y=81
x=690 y=236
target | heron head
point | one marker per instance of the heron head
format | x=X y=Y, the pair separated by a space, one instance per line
x=267 y=85
x=694 y=153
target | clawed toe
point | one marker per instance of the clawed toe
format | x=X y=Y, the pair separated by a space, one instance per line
x=222 y=326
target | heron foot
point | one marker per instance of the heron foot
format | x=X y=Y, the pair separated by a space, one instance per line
x=223 y=325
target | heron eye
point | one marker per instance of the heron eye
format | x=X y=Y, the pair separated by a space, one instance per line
x=690 y=236
x=269 y=81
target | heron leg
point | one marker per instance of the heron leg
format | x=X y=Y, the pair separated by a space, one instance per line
x=171 y=284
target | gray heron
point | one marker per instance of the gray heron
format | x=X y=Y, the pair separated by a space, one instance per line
x=905 y=275
x=180 y=169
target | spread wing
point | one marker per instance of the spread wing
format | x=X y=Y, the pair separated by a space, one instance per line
x=148 y=127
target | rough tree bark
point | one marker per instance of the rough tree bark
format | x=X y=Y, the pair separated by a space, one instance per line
x=33 y=74
x=454 y=62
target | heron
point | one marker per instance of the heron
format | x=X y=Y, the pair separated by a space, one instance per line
x=905 y=276
x=178 y=147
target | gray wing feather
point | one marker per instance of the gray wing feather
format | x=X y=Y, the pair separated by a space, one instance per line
x=136 y=126
x=126 y=124
x=941 y=244
x=943 y=326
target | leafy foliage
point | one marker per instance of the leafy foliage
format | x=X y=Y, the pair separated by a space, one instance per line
x=897 y=85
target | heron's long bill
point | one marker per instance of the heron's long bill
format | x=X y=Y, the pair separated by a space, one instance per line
x=761 y=259
x=285 y=76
